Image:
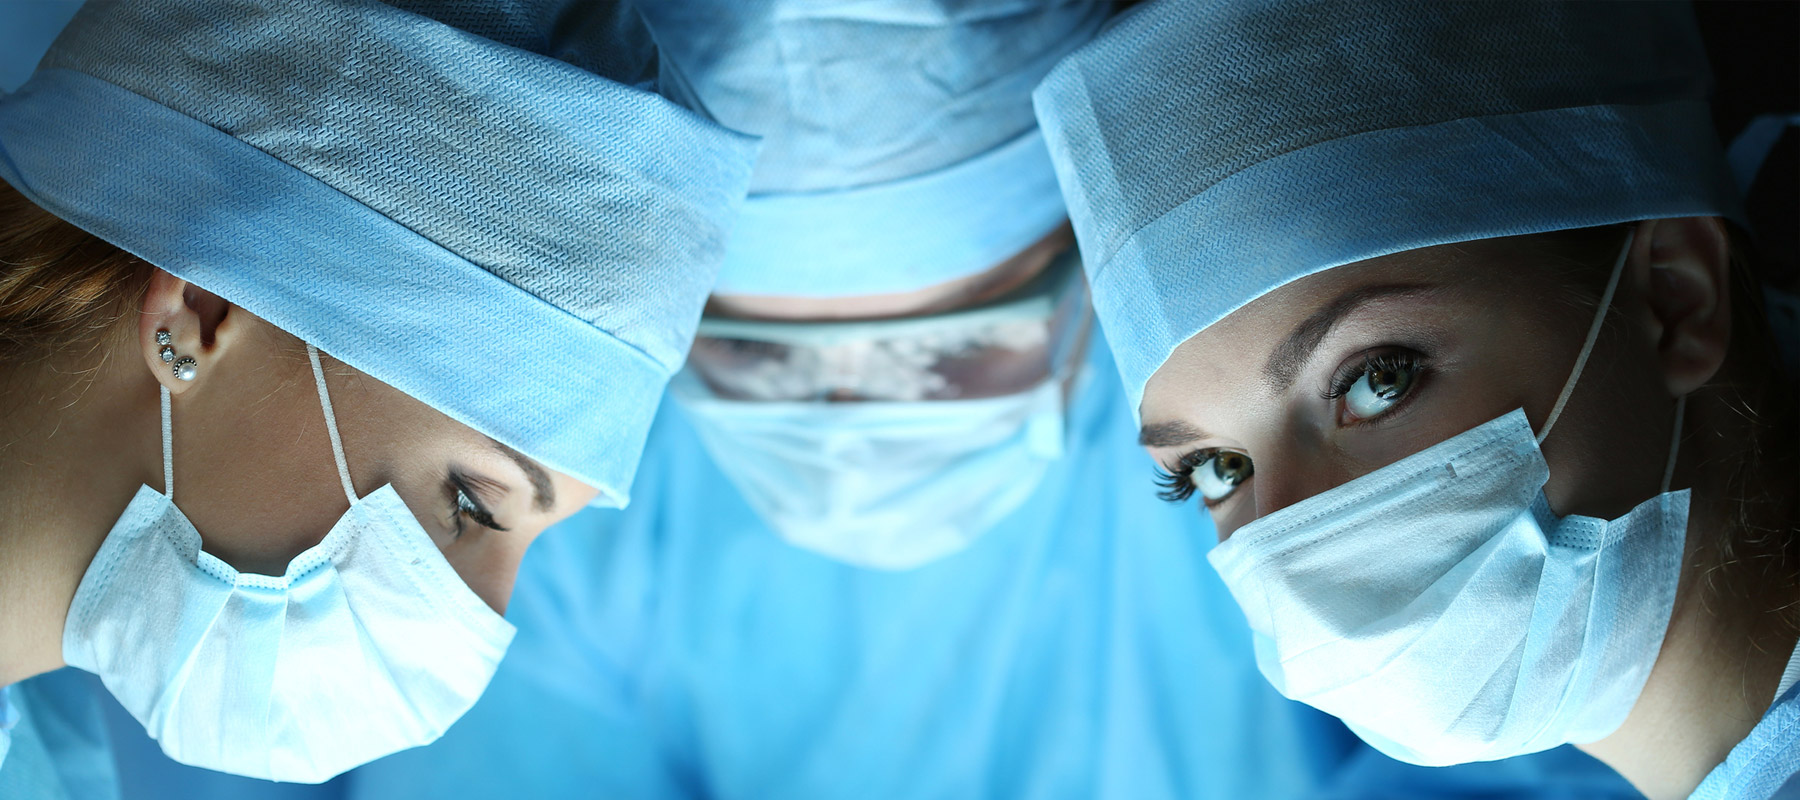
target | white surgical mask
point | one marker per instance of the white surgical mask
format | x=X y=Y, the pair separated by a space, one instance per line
x=957 y=417
x=887 y=485
x=370 y=642
x=1441 y=609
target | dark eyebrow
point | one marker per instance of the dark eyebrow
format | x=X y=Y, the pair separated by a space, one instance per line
x=1169 y=434
x=543 y=492
x=1285 y=362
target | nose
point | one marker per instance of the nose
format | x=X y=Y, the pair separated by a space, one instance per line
x=497 y=592
x=489 y=566
x=1290 y=473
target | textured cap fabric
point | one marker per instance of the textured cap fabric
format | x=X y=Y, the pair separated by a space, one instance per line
x=899 y=145
x=519 y=243
x=1213 y=150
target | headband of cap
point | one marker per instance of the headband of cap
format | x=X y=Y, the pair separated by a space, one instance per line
x=1211 y=151
x=899 y=145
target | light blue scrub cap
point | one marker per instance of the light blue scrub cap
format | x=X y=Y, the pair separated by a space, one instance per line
x=1211 y=151
x=521 y=244
x=899 y=146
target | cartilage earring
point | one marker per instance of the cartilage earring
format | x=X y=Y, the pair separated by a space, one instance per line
x=167 y=353
x=184 y=368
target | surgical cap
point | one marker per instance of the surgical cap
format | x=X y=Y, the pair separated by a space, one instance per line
x=523 y=245
x=899 y=145
x=1211 y=151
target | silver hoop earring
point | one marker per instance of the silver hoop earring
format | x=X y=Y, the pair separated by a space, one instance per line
x=185 y=367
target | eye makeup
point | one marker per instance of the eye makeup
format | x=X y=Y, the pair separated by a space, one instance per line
x=1215 y=473
x=467 y=499
x=1376 y=383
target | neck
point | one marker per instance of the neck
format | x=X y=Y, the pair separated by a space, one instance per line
x=1724 y=652
x=78 y=436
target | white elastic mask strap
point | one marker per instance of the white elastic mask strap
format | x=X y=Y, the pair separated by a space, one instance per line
x=1593 y=335
x=168 y=430
x=1675 y=445
x=337 y=442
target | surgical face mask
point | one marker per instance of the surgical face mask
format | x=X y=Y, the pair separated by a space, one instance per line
x=1446 y=614
x=370 y=642
x=896 y=483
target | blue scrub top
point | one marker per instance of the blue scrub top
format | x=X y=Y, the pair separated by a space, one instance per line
x=1083 y=648
x=1766 y=764
x=53 y=740
x=9 y=717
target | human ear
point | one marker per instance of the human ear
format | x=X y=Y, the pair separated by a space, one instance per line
x=196 y=327
x=1681 y=267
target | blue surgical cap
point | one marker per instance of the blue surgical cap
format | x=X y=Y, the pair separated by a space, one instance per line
x=899 y=145
x=1211 y=151
x=519 y=243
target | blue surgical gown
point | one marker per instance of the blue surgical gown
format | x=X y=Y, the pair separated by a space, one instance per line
x=1083 y=648
x=53 y=740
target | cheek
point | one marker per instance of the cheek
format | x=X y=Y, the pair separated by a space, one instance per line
x=1608 y=450
x=261 y=488
x=488 y=561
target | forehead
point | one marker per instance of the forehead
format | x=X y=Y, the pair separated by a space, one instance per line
x=1217 y=364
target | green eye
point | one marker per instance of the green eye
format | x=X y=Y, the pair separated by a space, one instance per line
x=1379 y=383
x=1215 y=474
x=1218 y=477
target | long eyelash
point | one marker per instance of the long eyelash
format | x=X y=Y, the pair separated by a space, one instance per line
x=1351 y=372
x=1178 y=486
x=480 y=515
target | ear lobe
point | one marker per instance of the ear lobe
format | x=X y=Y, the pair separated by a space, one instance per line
x=1682 y=269
x=197 y=326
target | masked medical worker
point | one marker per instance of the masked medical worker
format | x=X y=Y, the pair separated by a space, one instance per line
x=890 y=541
x=1440 y=312
x=313 y=316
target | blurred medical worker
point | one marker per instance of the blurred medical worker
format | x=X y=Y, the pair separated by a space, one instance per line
x=505 y=258
x=891 y=541
x=885 y=361
x=1439 y=311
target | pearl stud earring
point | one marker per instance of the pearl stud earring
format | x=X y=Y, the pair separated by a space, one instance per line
x=185 y=367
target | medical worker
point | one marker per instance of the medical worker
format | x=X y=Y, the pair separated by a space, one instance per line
x=893 y=540
x=382 y=299
x=1440 y=310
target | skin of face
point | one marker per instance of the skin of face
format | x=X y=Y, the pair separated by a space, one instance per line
x=965 y=292
x=254 y=469
x=1487 y=335
x=1489 y=327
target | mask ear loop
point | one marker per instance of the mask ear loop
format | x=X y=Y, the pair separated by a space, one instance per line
x=1593 y=335
x=168 y=436
x=1674 y=444
x=337 y=443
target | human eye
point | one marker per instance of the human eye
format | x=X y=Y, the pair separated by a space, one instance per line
x=465 y=504
x=1375 y=384
x=1215 y=474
